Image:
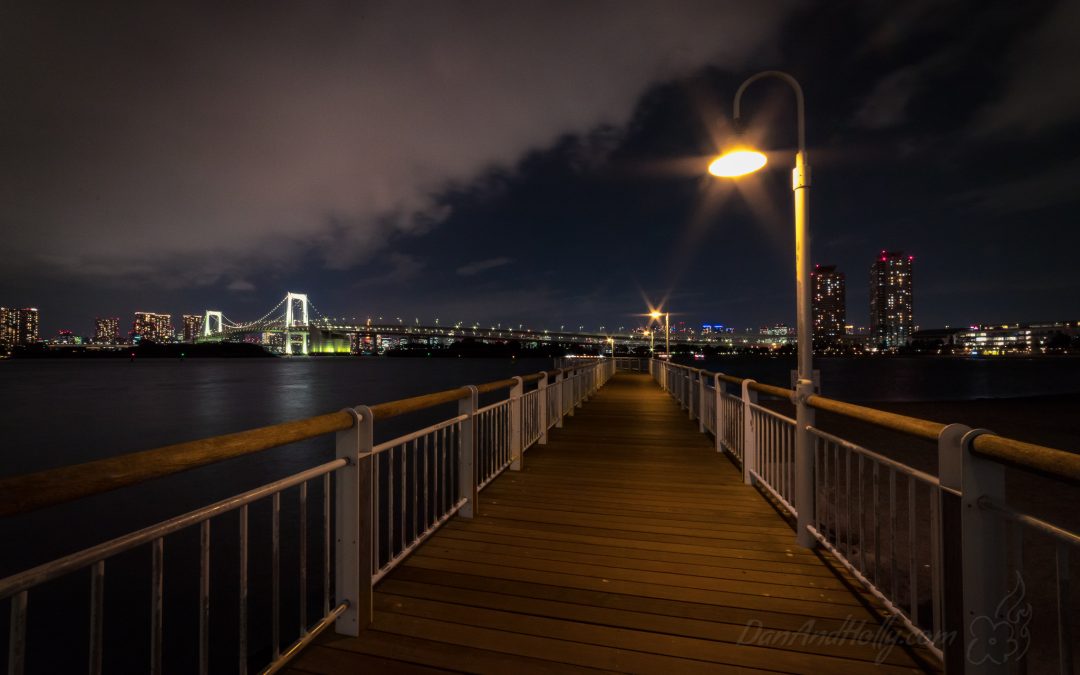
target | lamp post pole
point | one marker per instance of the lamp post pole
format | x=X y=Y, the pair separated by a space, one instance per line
x=667 y=334
x=804 y=388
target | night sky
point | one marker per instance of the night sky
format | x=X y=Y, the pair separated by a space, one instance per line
x=537 y=163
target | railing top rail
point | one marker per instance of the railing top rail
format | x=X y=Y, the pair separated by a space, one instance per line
x=1038 y=459
x=55 y=486
x=913 y=426
x=29 y=492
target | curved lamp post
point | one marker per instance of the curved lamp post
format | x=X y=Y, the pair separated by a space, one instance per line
x=743 y=160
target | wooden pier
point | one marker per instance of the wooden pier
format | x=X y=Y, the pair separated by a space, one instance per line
x=626 y=544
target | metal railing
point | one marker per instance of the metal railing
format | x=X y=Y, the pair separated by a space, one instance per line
x=378 y=503
x=932 y=549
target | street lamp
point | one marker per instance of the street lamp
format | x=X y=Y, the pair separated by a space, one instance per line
x=741 y=161
x=667 y=329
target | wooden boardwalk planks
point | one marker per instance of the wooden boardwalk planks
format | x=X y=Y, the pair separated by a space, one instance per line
x=625 y=545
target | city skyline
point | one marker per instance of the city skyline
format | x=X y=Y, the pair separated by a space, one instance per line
x=506 y=204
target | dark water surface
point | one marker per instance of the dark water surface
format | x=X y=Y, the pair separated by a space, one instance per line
x=56 y=413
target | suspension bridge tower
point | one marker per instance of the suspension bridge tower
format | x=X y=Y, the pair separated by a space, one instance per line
x=297 y=320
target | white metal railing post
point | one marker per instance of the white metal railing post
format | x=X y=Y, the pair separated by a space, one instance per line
x=749 y=448
x=354 y=523
x=542 y=388
x=701 y=401
x=559 y=395
x=983 y=557
x=572 y=385
x=804 y=498
x=467 y=488
x=516 y=423
x=946 y=549
x=691 y=405
x=718 y=387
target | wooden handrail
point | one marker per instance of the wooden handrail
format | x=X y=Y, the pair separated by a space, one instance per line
x=56 y=486
x=772 y=390
x=28 y=492
x=1038 y=459
x=913 y=426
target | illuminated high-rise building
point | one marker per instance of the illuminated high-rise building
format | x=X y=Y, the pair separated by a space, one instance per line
x=827 y=289
x=29 y=326
x=152 y=326
x=9 y=328
x=891 y=318
x=19 y=327
x=192 y=326
x=107 y=330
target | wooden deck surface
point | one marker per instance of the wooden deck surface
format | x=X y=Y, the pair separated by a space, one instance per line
x=627 y=544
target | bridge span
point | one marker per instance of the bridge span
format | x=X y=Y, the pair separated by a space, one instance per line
x=293 y=326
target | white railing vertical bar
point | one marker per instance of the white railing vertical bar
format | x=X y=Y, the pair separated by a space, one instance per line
x=157 y=599
x=204 y=597
x=17 y=634
x=467 y=469
x=97 y=615
x=275 y=575
x=303 y=498
x=1064 y=613
x=242 y=599
x=326 y=545
x=913 y=568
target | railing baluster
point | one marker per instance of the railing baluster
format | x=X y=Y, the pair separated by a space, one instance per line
x=275 y=574
x=326 y=544
x=820 y=473
x=836 y=493
x=877 y=528
x=17 y=634
x=390 y=485
x=1065 y=642
x=892 y=532
x=847 y=502
x=242 y=642
x=204 y=598
x=862 y=532
x=427 y=495
x=157 y=587
x=913 y=569
x=937 y=629
x=415 y=493
x=404 y=495
x=97 y=615
x=303 y=559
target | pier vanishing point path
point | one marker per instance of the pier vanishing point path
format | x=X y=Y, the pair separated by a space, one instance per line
x=626 y=544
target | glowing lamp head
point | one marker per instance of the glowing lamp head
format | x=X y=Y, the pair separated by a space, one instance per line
x=738 y=162
x=656 y=315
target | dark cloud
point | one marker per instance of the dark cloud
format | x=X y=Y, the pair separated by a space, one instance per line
x=479 y=266
x=1039 y=90
x=141 y=138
